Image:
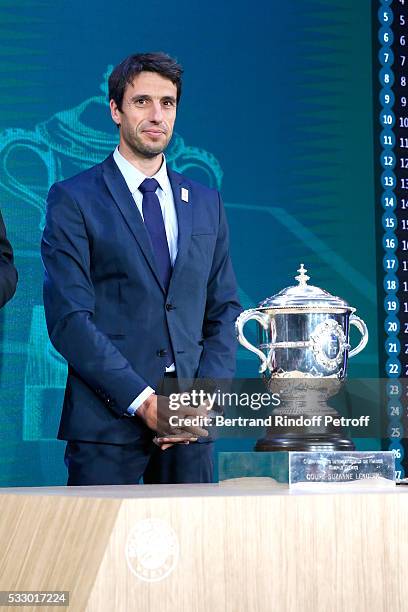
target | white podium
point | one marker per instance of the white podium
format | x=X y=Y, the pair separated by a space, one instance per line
x=235 y=547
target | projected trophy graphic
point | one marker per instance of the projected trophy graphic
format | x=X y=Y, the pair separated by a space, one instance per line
x=303 y=346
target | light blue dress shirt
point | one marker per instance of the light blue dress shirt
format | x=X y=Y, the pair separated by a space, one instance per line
x=134 y=178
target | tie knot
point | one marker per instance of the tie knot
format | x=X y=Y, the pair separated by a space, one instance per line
x=149 y=185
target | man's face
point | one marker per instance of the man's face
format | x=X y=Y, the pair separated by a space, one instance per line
x=148 y=114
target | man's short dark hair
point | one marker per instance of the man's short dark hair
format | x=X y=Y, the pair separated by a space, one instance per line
x=133 y=65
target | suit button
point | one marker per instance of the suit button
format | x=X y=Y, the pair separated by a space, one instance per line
x=170 y=307
x=162 y=353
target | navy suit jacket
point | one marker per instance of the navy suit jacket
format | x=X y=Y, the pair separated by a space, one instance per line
x=107 y=311
x=8 y=273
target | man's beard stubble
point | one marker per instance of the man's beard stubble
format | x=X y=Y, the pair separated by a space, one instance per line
x=139 y=148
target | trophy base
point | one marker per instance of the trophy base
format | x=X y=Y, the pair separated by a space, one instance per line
x=312 y=443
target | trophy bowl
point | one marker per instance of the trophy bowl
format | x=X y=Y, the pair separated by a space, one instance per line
x=303 y=345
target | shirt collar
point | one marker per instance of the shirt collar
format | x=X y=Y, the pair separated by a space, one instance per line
x=134 y=177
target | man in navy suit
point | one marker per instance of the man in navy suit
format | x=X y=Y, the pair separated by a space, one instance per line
x=138 y=286
x=8 y=273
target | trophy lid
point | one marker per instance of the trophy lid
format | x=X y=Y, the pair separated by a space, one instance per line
x=303 y=296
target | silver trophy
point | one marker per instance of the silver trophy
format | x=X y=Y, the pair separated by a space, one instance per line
x=303 y=346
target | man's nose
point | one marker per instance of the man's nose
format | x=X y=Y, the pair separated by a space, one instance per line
x=156 y=113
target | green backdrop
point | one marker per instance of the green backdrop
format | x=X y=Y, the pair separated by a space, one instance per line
x=276 y=112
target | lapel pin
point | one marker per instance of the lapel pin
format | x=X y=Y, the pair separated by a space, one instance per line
x=184 y=194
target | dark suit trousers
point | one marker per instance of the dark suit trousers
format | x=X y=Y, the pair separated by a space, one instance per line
x=93 y=463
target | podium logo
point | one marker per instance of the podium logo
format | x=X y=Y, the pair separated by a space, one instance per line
x=152 y=550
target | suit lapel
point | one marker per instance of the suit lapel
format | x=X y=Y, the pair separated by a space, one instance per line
x=118 y=188
x=184 y=217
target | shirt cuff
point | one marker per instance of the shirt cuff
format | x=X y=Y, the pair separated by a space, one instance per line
x=138 y=401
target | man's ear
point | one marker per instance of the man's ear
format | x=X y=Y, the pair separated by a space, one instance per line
x=115 y=112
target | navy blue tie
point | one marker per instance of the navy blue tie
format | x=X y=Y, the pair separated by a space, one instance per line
x=154 y=223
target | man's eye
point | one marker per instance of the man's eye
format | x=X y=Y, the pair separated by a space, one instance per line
x=168 y=103
x=141 y=101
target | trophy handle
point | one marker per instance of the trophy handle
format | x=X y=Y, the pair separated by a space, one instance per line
x=263 y=319
x=362 y=328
